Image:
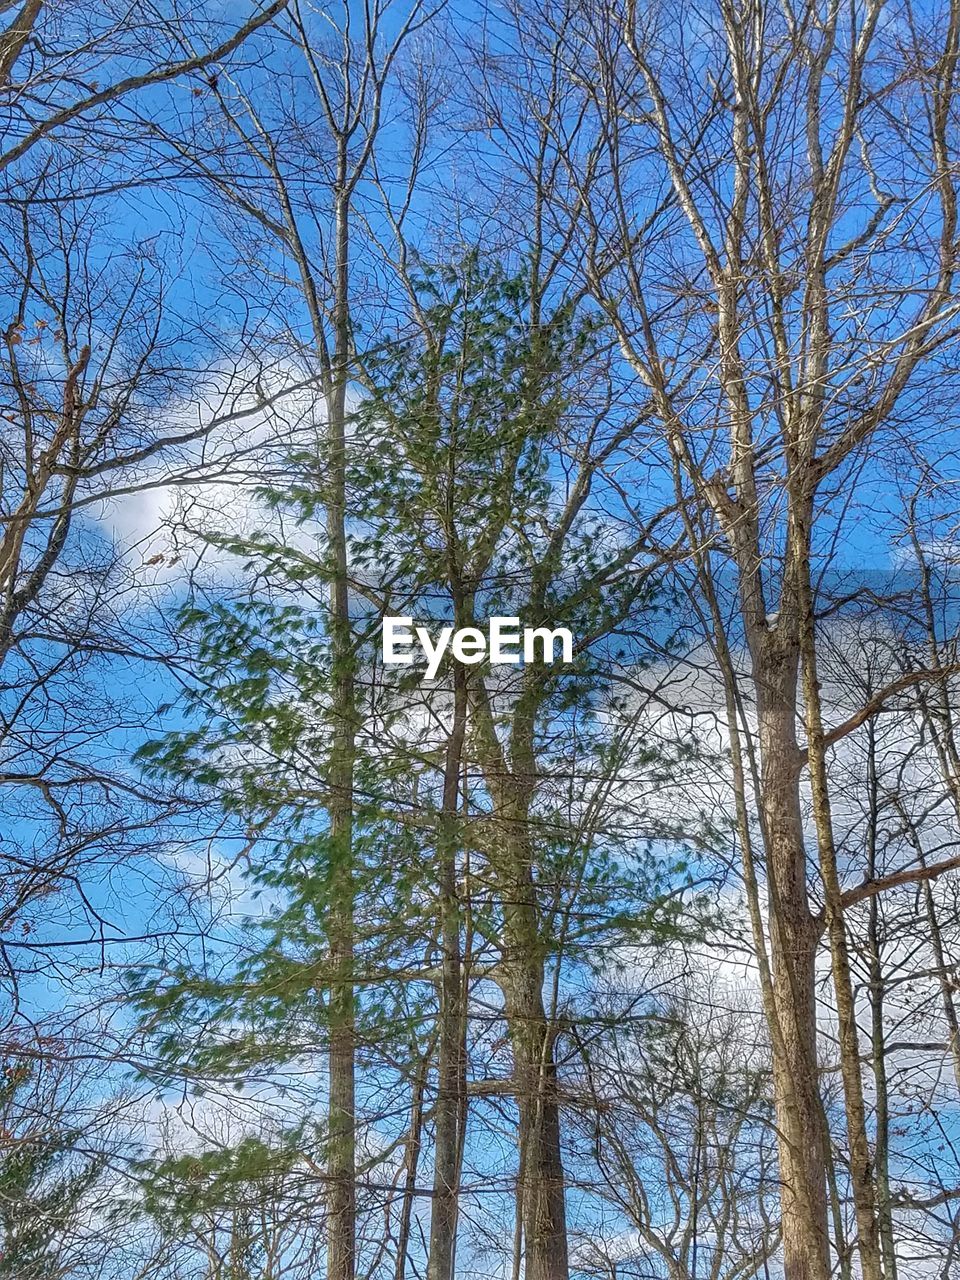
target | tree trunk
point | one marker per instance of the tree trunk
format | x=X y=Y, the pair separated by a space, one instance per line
x=858 y=1143
x=412 y=1164
x=788 y=978
x=451 y=1067
x=341 y=1167
x=543 y=1211
x=521 y=977
x=877 y=1036
x=794 y=938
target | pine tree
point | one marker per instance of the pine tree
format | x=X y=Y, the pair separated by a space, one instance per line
x=481 y=818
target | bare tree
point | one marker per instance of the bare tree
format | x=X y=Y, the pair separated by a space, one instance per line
x=685 y=1090
x=735 y=202
x=59 y=67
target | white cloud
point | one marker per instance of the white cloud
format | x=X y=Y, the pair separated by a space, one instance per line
x=209 y=486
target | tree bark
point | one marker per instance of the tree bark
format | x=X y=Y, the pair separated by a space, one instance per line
x=877 y=1033
x=412 y=1164
x=521 y=976
x=794 y=936
x=451 y=1067
x=341 y=1166
x=543 y=1208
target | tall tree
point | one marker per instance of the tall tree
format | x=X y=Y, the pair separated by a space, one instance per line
x=340 y=79
x=729 y=285
x=472 y=417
